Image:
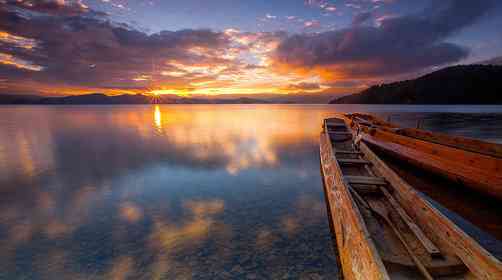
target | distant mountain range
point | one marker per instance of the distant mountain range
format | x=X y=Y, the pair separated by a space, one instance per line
x=464 y=84
x=98 y=98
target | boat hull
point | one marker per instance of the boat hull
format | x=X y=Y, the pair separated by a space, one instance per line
x=358 y=256
x=473 y=163
x=362 y=251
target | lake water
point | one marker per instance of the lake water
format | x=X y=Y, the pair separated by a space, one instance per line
x=178 y=191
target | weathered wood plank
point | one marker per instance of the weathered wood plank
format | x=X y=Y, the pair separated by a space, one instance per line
x=365 y=180
x=347 y=152
x=424 y=240
x=348 y=161
x=336 y=125
x=366 y=189
x=335 y=133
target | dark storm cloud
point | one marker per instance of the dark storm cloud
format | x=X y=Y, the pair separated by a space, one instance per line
x=396 y=45
x=90 y=51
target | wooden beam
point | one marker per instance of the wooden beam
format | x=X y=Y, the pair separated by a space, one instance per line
x=426 y=242
x=347 y=152
x=335 y=133
x=366 y=180
x=336 y=125
x=349 y=161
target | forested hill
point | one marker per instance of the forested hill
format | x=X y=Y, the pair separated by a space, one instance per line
x=464 y=84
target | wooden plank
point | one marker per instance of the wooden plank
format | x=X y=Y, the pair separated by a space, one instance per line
x=348 y=152
x=334 y=133
x=337 y=125
x=383 y=212
x=334 y=121
x=365 y=180
x=348 y=161
x=366 y=189
x=358 y=254
x=424 y=240
x=439 y=228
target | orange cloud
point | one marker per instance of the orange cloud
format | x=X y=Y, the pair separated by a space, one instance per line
x=19 y=63
x=18 y=41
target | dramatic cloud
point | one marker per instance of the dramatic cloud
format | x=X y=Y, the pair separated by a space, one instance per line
x=92 y=53
x=97 y=53
x=71 y=47
x=397 y=45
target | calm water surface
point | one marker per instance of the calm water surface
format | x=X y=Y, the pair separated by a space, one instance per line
x=178 y=192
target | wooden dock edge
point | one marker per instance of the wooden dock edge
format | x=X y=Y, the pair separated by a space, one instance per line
x=358 y=255
x=480 y=262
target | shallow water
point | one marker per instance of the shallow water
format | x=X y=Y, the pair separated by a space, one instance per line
x=178 y=191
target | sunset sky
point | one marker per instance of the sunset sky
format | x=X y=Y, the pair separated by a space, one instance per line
x=190 y=47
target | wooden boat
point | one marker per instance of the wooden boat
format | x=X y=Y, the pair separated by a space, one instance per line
x=476 y=164
x=384 y=228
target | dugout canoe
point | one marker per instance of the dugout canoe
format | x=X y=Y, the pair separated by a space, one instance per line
x=473 y=163
x=384 y=228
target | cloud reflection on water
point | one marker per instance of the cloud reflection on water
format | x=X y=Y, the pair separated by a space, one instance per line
x=245 y=138
x=78 y=178
x=164 y=192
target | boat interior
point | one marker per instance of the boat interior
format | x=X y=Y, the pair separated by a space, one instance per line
x=406 y=249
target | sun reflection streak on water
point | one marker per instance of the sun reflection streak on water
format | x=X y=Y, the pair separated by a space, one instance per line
x=157 y=118
x=244 y=136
